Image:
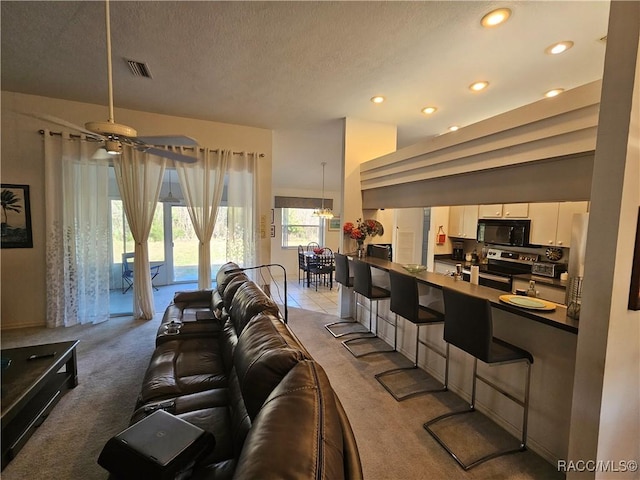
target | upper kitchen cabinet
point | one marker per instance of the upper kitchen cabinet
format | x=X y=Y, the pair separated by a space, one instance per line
x=551 y=222
x=506 y=210
x=463 y=221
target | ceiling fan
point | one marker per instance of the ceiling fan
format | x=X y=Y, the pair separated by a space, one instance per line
x=115 y=135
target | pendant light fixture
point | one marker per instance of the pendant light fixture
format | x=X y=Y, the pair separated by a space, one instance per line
x=170 y=198
x=323 y=212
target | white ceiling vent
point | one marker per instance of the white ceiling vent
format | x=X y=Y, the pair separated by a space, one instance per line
x=138 y=69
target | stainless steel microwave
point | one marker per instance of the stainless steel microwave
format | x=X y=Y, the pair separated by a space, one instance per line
x=504 y=232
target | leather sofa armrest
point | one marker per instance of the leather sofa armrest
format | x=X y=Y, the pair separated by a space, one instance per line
x=352 y=463
x=191 y=296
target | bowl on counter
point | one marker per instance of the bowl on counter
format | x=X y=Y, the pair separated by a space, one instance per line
x=414 y=268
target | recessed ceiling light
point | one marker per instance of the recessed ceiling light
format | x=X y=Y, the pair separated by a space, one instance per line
x=377 y=99
x=559 y=47
x=453 y=128
x=477 y=86
x=495 y=17
x=428 y=110
x=553 y=93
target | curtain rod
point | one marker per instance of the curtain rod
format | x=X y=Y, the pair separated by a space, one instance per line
x=90 y=139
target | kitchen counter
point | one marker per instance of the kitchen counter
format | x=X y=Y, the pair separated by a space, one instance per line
x=556 y=318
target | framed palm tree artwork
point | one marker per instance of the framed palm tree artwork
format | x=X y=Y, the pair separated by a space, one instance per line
x=15 y=227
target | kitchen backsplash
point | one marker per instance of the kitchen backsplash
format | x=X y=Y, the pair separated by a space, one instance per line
x=545 y=254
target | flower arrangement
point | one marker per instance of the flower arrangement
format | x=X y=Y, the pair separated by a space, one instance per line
x=363 y=229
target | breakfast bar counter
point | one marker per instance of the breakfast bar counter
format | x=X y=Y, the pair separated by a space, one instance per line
x=556 y=318
x=550 y=336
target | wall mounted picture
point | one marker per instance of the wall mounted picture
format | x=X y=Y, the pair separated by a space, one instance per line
x=334 y=223
x=15 y=229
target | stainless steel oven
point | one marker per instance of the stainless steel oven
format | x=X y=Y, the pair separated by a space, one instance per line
x=500 y=268
x=493 y=280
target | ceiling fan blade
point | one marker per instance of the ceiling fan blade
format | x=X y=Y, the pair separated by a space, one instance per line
x=177 y=157
x=175 y=140
x=63 y=123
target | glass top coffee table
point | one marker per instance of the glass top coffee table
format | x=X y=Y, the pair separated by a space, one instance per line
x=33 y=380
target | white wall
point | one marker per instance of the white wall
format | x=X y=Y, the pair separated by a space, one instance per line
x=309 y=146
x=605 y=417
x=23 y=270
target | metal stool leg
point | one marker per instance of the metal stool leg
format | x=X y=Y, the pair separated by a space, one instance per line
x=524 y=403
x=373 y=334
x=381 y=376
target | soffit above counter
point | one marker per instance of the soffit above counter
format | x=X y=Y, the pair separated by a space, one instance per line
x=548 y=129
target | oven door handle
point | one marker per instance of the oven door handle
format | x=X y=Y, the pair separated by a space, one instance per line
x=495 y=278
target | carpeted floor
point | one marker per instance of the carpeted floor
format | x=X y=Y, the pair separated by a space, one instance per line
x=113 y=356
x=392 y=441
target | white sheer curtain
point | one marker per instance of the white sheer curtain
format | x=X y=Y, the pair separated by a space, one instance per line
x=139 y=176
x=77 y=232
x=242 y=211
x=202 y=184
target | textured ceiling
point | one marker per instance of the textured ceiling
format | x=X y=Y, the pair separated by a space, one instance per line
x=281 y=65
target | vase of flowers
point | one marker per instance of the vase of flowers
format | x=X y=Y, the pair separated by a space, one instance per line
x=361 y=230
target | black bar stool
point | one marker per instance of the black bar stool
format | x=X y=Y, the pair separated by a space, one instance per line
x=405 y=301
x=468 y=325
x=364 y=287
x=343 y=277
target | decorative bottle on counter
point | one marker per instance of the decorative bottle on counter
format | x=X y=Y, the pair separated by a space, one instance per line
x=532 y=289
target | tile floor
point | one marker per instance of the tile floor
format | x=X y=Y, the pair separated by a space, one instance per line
x=323 y=300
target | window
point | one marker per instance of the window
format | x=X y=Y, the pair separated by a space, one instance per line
x=299 y=227
x=122 y=240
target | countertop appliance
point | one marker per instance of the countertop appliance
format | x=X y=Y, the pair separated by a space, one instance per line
x=500 y=268
x=548 y=269
x=380 y=250
x=458 y=251
x=513 y=233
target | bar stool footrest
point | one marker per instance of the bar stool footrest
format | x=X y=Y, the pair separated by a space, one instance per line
x=427 y=426
x=400 y=397
x=361 y=329
x=346 y=343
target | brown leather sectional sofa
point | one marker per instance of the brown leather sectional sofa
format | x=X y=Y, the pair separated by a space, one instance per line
x=226 y=362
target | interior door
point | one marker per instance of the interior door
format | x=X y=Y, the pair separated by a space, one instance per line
x=408 y=227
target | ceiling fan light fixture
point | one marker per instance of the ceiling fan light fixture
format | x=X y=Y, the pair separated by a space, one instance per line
x=495 y=17
x=113 y=147
x=559 y=47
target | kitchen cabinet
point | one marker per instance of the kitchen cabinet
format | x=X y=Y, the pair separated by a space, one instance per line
x=551 y=222
x=506 y=210
x=463 y=221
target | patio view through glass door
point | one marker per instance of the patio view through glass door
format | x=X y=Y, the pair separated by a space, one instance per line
x=173 y=244
x=184 y=251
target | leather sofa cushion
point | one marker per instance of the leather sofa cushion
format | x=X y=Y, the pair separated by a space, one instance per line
x=200 y=297
x=302 y=403
x=263 y=356
x=248 y=301
x=231 y=289
x=217 y=303
x=183 y=366
x=217 y=397
x=223 y=276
